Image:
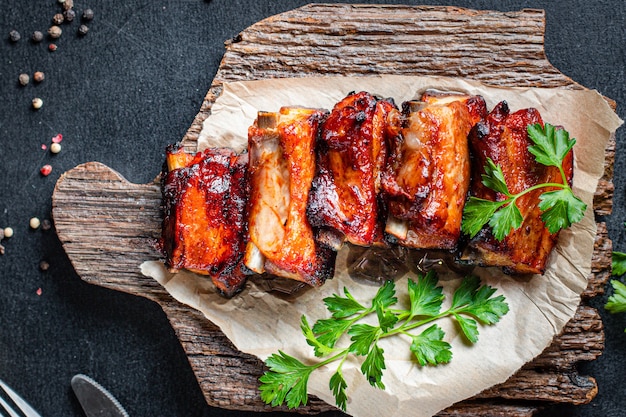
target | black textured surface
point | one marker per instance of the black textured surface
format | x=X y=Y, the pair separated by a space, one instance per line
x=121 y=93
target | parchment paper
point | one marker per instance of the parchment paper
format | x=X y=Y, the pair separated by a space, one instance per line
x=261 y=323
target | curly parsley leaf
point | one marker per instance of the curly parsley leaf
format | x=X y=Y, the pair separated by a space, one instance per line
x=287 y=378
x=559 y=206
x=617 y=302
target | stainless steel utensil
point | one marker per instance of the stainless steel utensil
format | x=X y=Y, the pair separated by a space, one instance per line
x=95 y=399
x=19 y=402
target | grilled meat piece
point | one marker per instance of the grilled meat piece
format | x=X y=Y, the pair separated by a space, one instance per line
x=427 y=175
x=503 y=137
x=350 y=157
x=281 y=168
x=204 y=200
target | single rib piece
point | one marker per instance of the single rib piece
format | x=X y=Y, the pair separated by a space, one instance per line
x=503 y=137
x=204 y=225
x=281 y=168
x=350 y=158
x=428 y=171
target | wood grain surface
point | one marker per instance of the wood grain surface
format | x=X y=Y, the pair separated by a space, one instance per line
x=108 y=226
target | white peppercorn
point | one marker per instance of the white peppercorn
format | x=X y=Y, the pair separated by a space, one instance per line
x=37 y=103
x=24 y=79
x=55 y=148
x=34 y=223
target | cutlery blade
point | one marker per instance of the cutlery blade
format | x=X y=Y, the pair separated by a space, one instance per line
x=95 y=399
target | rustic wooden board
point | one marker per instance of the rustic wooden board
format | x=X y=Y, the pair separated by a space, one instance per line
x=108 y=226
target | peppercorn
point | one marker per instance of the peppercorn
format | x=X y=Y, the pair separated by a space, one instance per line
x=39 y=76
x=8 y=232
x=24 y=79
x=68 y=4
x=46 y=224
x=45 y=170
x=37 y=36
x=55 y=148
x=58 y=18
x=69 y=15
x=14 y=35
x=88 y=14
x=43 y=265
x=52 y=47
x=82 y=30
x=54 y=32
x=37 y=103
x=34 y=223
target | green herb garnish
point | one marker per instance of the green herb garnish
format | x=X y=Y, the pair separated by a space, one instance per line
x=287 y=378
x=560 y=208
x=617 y=302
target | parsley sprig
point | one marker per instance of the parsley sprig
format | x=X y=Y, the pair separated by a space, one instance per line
x=472 y=304
x=616 y=303
x=560 y=208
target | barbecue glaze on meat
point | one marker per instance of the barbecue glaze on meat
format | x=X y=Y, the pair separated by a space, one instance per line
x=503 y=137
x=351 y=152
x=204 y=226
x=427 y=175
x=281 y=149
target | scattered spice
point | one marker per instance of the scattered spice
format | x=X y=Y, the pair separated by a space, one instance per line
x=14 y=35
x=34 y=223
x=46 y=170
x=44 y=146
x=39 y=291
x=68 y=4
x=24 y=79
x=82 y=30
x=55 y=148
x=52 y=47
x=8 y=232
x=88 y=15
x=37 y=103
x=57 y=138
x=1 y=250
x=55 y=32
x=69 y=15
x=44 y=266
x=39 y=76
x=46 y=225
x=37 y=36
x=58 y=18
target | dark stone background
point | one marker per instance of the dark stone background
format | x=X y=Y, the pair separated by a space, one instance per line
x=119 y=95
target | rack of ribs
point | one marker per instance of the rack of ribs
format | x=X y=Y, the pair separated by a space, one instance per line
x=503 y=137
x=427 y=175
x=281 y=168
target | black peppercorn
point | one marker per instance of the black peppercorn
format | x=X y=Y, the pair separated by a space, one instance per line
x=37 y=36
x=82 y=30
x=69 y=15
x=14 y=35
x=88 y=14
x=44 y=266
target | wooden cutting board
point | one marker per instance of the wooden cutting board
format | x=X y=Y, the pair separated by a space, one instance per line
x=108 y=226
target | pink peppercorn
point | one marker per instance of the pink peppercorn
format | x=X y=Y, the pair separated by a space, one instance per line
x=46 y=170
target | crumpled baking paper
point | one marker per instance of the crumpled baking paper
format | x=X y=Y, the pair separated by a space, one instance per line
x=261 y=323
